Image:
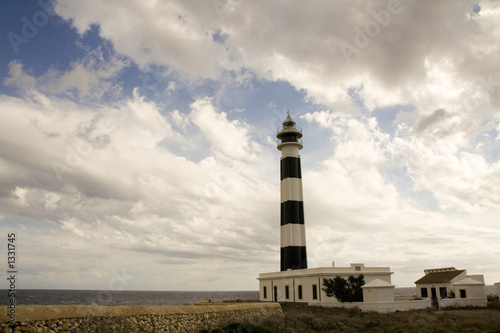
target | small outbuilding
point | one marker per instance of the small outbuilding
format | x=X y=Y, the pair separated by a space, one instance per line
x=378 y=291
x=451 y=287
x=438 y=282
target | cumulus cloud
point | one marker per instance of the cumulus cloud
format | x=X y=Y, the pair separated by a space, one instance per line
x=155 y=33
x=360 y=152
x=194 y=185
x=102 y=175
x=91 y=78
x=426 y=121
x=346 y=195
x=432 y=55
x=217 y=129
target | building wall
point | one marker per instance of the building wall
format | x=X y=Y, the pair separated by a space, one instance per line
x=437 y=286
x=383 y=307
x=477 y=277
x=378 y=294
x=293 y=289
x=472 y=291
x=307 y=278
x=460 y=302
x=267 y=294
x=447 y=285
x=88 y=318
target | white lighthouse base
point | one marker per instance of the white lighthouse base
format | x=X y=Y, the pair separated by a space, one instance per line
x=305 y=286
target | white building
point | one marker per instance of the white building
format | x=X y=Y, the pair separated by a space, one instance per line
x=305 y=285
x=451 y=287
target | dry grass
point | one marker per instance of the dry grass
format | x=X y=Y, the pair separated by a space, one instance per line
x=303 y=319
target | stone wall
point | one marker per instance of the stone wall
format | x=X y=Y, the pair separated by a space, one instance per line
x=88 y=318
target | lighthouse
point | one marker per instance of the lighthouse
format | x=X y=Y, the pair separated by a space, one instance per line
x=292 y=230
x=295 y=282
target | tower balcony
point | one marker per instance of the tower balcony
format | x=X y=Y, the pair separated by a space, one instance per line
x=297 y=143
x=280 y=142
x=294 y=130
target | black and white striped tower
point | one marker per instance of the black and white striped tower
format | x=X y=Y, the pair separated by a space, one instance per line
x=293 y=234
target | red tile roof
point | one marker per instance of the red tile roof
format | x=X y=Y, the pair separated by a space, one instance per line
x=439 y=277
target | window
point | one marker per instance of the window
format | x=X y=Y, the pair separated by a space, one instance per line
x=299 y=289
x=315 y=291
x=287 y=292
x=265 y=292
x=357 y=268
x=443 y=292
x=275 y=294
x=463 y=294
x=423 y=291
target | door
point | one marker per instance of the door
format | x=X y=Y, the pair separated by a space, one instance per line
x=443 y=292
x=434 y=298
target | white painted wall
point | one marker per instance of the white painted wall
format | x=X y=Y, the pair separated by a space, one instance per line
x=292 y=234
x=291 y=189
x=290 y=149
x=307 y=278
x=448 y=287
x=451 y=302
x=472 y=291
x=383 y=307
x=374 y=295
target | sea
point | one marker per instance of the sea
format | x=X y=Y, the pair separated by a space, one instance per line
x=131 y=297
x=121 y=297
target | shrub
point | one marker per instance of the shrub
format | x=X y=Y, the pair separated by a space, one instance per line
x=345 y=290
x=239 y=328
x=492 y=298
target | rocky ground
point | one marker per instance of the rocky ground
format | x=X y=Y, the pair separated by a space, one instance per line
x=304 y=319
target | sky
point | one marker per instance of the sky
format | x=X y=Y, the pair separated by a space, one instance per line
x=138 y=138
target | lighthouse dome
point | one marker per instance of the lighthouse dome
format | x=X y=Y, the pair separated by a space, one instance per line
x=288 y=122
